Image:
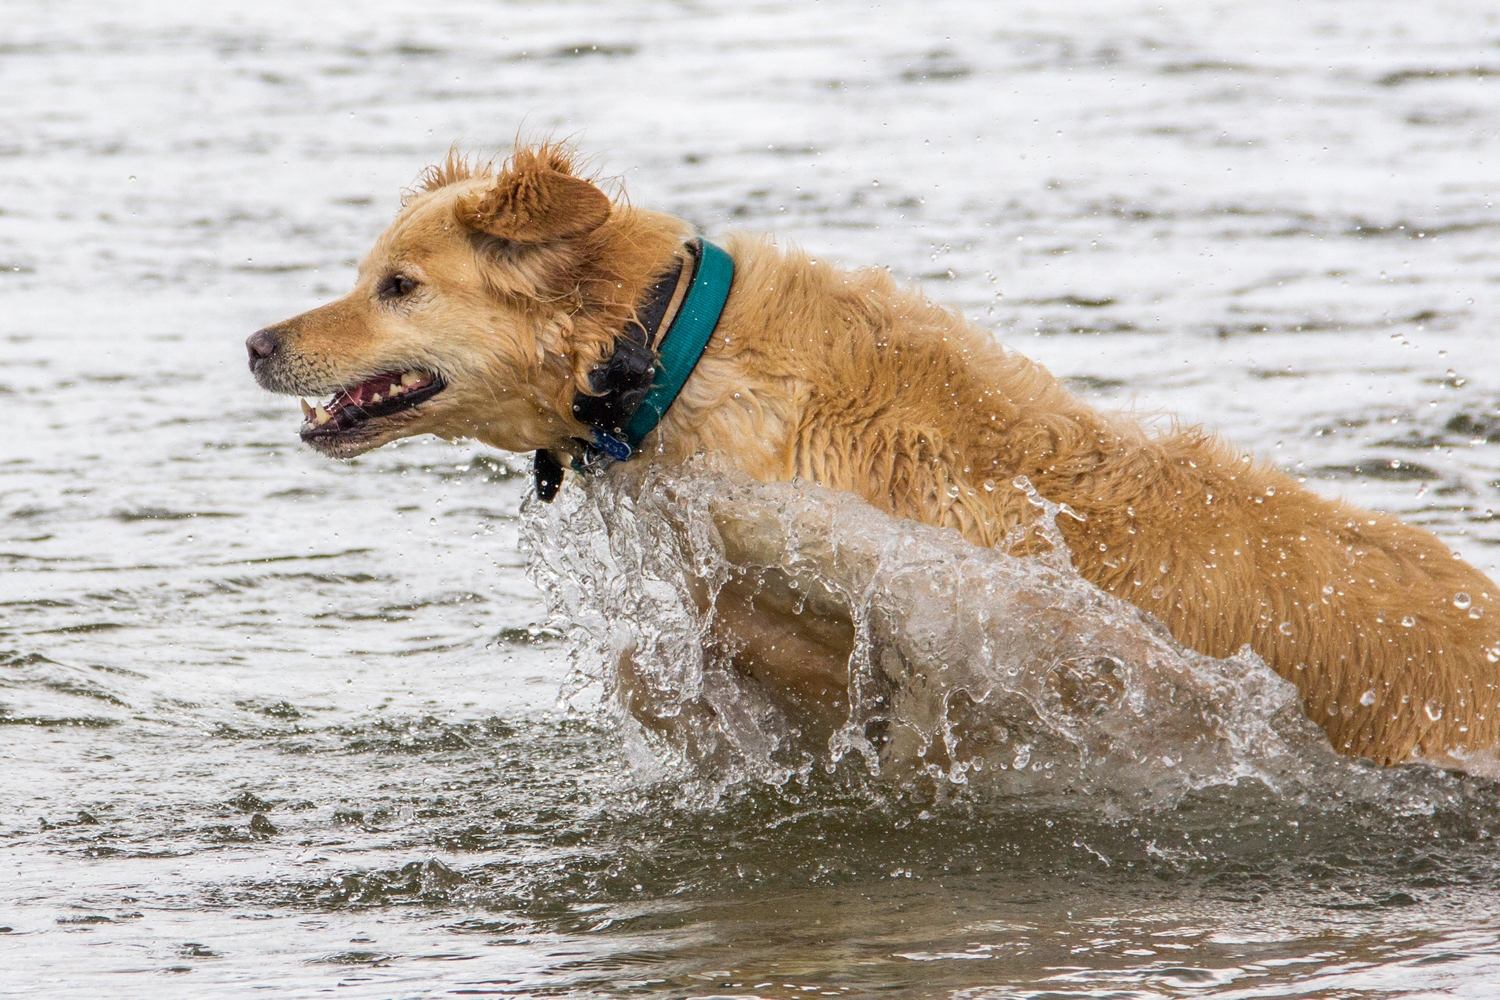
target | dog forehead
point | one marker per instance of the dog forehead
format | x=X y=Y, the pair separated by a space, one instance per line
x=425 y=230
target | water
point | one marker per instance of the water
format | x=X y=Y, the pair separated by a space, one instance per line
x=970 y=666
x=1274 y=219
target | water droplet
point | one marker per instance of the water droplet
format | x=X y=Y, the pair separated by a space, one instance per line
x=1434 y=709
x=1023 y=756
x=1408 y=621
x=1327 y=590
x=432 y=521
x=1285 y=628
x=1157 y=592
x=1492 y=654
x=1163 y=567
x=1476 y=612
x=1368 y=698
x=953 y=492
x=989 y=486
x=1462 y=601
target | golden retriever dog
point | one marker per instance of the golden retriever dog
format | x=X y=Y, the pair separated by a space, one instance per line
x=491 y=304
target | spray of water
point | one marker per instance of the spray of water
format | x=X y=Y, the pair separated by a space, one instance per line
x=968 y=666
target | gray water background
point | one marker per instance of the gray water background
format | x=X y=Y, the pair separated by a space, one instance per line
x=1272 y=218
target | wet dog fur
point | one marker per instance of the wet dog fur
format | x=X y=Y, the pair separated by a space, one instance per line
x=504 y=285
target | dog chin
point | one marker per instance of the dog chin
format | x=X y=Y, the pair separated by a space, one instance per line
x=347 y=445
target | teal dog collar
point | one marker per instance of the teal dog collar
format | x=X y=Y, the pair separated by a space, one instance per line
x=681 y=346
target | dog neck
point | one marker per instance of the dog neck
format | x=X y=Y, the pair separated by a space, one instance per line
x=651 y=360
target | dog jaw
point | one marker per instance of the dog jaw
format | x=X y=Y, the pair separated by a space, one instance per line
x=365 y=415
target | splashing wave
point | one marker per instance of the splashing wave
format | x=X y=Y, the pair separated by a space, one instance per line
x=970 y=666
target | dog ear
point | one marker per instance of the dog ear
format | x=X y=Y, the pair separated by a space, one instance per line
x=534 y=203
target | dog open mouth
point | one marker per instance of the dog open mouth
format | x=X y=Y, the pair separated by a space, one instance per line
x=376 y=398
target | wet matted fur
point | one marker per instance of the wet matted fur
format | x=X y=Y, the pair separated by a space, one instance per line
x=498 y=289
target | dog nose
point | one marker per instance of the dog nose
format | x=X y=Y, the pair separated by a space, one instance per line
x=261 y=345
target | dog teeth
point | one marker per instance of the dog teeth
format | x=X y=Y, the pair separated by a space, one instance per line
x=368 y=393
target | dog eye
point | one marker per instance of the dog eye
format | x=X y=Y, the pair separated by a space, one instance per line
x=397 y=286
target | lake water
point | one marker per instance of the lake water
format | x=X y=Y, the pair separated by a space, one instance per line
x=277 y=724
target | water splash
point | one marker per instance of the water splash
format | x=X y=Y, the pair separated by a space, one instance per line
x=969 y=666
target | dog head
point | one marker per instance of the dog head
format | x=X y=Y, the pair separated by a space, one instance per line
x=478 y=314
